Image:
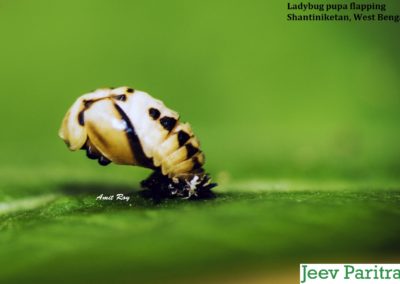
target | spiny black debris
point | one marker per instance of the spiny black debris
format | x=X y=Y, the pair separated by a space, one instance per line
x=158 y=187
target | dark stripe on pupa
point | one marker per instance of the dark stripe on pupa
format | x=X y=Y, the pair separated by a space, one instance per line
x=81 y=115
x=81 y=118
x=134 y=142
x=87 y=104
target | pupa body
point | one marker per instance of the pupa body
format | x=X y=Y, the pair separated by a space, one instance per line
x=130 y=127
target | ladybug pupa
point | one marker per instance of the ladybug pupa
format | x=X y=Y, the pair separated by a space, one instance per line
x=130 y=127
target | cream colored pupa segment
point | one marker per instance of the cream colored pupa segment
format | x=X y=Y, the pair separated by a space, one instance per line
x=106 y=131
x=74 y=134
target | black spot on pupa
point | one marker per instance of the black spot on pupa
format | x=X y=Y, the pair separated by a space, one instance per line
x=104 y=161
x=182 y=137
x=168 y=122
x=196 y=163
x=130 y=90
x=81 y=118
x=191 y=150
x=120 y=97
x=154 y=113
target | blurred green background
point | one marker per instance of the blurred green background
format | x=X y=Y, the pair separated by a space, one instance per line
x=297 y=120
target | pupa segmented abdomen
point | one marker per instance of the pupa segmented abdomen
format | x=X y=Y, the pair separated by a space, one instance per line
x=130 y=127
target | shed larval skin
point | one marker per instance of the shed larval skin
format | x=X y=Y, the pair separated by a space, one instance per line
x=130 y=127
